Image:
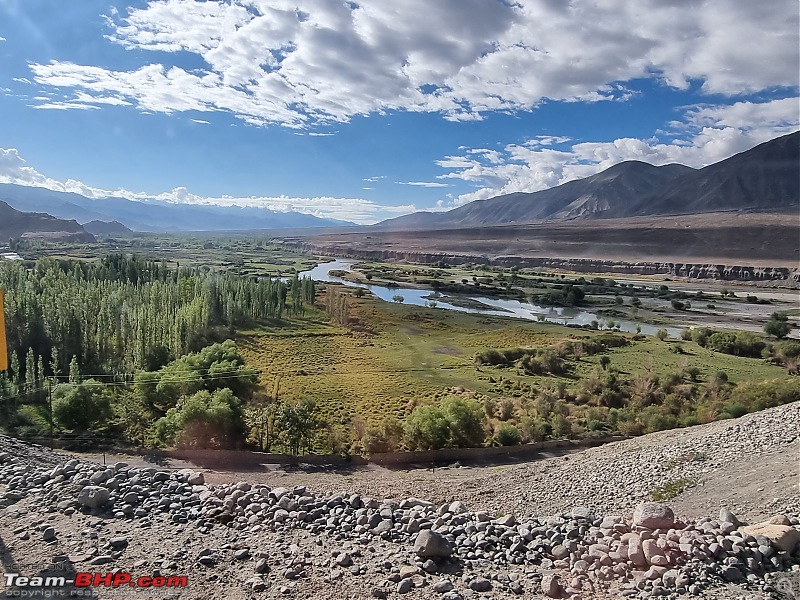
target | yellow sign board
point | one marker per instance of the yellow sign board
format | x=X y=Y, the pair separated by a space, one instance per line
x=3 y=348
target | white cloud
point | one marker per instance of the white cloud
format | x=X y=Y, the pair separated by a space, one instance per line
x=65 y=106
x=13 y=169
x=201 y=121
x=708 y=134
x=427 y=184
x=270 y=62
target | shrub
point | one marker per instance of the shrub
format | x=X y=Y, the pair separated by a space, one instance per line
x=81 y=406
x=203 y=420
x=562 y=428
x=535 y=430
x=466 y=421
x=700 y=336
x=426 y=429
x=766 y=394
x=739 y=343
x=662 y=334
x=507 y=407
x=384 y=438
x=788 y=349
x=778 y=325
x=733 y=411
x=454 y=422
x=508 y=435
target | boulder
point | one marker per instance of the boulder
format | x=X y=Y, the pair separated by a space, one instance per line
x=784 y=537
x=636 y=552
x=193 y=477
x=652 y=515
x=551 y=587
x=430 y=544
x=93 y=496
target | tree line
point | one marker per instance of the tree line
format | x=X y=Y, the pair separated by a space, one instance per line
x=125 y=313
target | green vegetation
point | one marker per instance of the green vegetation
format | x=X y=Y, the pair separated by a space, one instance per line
x=455 y=422
x=778 y=325
x=139 y=349
x=672 y=489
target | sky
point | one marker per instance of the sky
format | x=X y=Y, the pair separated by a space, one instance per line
x=368 y=109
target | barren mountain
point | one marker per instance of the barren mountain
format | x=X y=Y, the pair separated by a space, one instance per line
x=765 y=179
x=14 y=223
x=155 y=215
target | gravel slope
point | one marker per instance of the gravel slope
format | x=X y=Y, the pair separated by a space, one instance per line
x=749 y=465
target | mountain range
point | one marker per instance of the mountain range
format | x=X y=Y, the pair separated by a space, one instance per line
x=765 y=178
x=14 y=223
x=154 y=215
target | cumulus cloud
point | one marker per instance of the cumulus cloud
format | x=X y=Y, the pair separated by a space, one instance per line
x=708 y=134
x=270 y=62
x=13 y=169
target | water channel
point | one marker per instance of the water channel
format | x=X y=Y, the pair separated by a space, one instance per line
x=494 y=306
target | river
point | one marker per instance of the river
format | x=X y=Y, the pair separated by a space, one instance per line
x=499 y=307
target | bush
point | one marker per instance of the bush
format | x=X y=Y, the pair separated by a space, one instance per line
x=466 y=422
x=384 y=438
x=81 y=406
x=788 y=349
x=662 y=334
x=733 y=411
x=203 y=420
x=426 y=429
x=508 y=435
x=700 y=336
x=778 y=325
x=507 y=407
x=535 y=430
x=766 y=394
x=562 y=428
x=739 y=343
x=455 y=422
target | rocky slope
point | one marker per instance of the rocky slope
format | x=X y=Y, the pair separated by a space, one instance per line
x=765 y=178
x=571 y=527
x=14 y=223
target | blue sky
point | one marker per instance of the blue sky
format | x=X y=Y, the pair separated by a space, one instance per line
x=370 y=109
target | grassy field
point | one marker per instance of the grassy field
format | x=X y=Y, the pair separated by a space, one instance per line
x=247 y=256
x=412 y=355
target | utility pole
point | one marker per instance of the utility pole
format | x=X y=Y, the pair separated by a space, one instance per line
x=50 y=405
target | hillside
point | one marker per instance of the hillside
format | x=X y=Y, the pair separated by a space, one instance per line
x=155 y=215
x=567 y=525
x=14 y=223
x=765 y=179
x=106 y=228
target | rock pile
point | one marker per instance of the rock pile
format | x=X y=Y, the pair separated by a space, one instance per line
x=452 y=551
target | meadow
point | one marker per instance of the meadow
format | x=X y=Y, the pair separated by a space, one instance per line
x=403 y=356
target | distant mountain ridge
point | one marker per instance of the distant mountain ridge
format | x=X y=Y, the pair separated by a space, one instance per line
x=764 y=178
x=155 y=215
x=16 y=224
x=106 y=228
